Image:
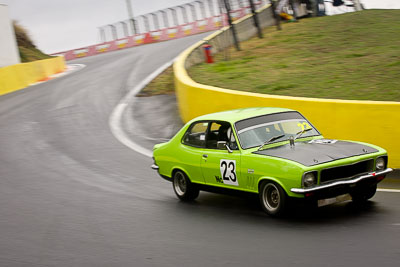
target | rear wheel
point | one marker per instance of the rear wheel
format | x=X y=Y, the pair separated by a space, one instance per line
x=183 y=188
x=272 y=198
x=363 y=194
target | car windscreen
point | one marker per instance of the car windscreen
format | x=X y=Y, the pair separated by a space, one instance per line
x=255 y=131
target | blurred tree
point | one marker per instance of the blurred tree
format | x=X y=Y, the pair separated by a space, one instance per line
x=27 y=48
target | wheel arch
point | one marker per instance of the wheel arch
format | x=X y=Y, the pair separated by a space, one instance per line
x=275 y=180
x=176 y=168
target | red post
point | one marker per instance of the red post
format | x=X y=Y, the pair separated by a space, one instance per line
x=207 y=53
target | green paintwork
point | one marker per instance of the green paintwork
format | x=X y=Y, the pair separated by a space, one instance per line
x=174 y=155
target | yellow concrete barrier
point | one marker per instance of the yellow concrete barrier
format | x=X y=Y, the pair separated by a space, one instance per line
x=19 y=76
x=375 y=122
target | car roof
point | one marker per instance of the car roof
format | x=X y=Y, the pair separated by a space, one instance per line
x=241 y=114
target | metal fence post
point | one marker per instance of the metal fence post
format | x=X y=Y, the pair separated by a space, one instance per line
x=125 y=28
x=174 y=16
x=202 y=8
x=165 y=18
x=155 y=21
x=193 y=10
x=113 y=31
x=184 y=14
x=102 y=35
x=255 y=18
x=211 y=7
x=146 y=22
x=276 y=16
x=232 y=26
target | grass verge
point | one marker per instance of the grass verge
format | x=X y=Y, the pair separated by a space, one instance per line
x=350 y=56
x=163 y=84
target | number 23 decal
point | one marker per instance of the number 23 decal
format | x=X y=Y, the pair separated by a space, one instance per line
x=228 y=171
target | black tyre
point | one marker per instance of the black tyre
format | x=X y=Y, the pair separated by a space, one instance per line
x=272 y=198
x=363 y=194
x=183 y=188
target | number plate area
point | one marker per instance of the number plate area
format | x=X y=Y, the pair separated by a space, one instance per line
x=329 y=201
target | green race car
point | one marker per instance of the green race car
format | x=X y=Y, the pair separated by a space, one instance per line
x=273 y=152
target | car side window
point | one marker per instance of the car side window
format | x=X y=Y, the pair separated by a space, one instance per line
x=196 y=135
x=220 y=131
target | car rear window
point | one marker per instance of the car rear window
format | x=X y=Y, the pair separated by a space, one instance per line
x=196 y=135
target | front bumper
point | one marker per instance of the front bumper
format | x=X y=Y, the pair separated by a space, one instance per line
x=344 y=185
x=155 y=167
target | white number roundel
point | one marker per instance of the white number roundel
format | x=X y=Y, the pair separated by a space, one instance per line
x=228 y=171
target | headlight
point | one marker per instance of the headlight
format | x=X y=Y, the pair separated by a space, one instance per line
x=309 y=179
x=380 y=163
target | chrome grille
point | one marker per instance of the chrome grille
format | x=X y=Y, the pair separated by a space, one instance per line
x=347 y=171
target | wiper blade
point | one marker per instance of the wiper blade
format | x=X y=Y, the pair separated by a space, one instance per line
x=301 y=132
x=270 y=140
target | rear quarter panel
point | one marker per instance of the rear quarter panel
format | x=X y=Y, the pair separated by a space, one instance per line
x=174 y=155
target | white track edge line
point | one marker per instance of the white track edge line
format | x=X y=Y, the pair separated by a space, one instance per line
x=116 y=115
x=388 y=190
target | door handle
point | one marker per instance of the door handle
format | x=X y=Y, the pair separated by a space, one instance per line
x=205 y=156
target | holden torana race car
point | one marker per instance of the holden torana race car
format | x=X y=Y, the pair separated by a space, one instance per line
x=273 y=152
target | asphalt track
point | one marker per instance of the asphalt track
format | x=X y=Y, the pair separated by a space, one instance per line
x=73 y=195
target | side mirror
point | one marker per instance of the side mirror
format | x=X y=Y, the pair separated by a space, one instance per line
x=223 y=145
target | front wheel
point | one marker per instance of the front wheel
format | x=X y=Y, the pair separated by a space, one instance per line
x=272 y=198
x=183 y=188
